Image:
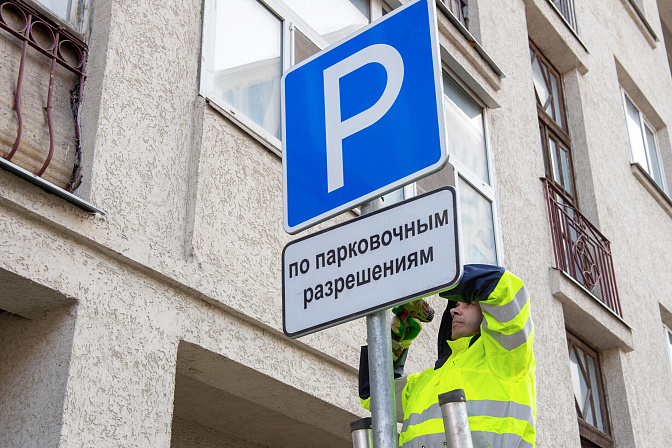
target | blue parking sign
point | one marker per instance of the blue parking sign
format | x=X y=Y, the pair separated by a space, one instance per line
x=363 y=117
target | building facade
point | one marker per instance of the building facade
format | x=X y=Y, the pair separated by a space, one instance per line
x=141 y=216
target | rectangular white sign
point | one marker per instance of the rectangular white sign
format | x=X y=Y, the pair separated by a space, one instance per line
x=400 y=253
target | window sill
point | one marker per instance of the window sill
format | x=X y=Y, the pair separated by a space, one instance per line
x=586 y=315
x=652 y=187
x=568 y=25
x=242 y=122
x=640 y=19
x=594 y=435
x=49 y=187
x=467 y=35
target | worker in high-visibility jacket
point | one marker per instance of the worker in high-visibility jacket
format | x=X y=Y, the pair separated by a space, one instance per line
x=485 y=348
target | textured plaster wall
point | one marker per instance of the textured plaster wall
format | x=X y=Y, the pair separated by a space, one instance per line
x=637 y=225
x=518 y=164
x=34 y=360
x=187 y=434
x=190 y=247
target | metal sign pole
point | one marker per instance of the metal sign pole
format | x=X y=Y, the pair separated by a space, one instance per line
x=381 y=375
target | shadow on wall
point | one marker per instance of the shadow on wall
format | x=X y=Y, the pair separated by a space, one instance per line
x=34 y=366
x=220 y=403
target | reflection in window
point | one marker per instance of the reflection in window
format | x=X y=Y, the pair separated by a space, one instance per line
x=333 y=20
x=668 y=339
x=588 y=391
x=643 y=143
x=477 y=226
x=555 y=141
x=247 y=74
x=249 y=43
x=546 y=86
x=464 y=126
x=63 y=8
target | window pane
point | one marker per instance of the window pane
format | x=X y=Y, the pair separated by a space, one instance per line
x=539 y=82
x=595 y=394
x=669 y=345
x=464 y=126
x=478 y=234
x=635 y=133
x=566 y=176
x=248 y=65
x=653 y=156
x=60 y=7
x=557 y=116
x=579 y=383
x=555 y=166
x=332 y=19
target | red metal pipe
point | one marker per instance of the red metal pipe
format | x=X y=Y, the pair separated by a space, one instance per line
x=50 y=121
x=17 y=97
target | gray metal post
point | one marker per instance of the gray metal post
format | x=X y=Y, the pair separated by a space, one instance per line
x=381 y=375
x=362 y=436
x=455 y=419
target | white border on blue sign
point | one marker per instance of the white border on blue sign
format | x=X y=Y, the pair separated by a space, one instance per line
x=438 y=85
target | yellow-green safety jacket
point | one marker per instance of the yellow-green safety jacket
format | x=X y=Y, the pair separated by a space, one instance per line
x=496 y=369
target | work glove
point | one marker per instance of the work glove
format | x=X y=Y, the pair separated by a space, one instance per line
x=404 y=331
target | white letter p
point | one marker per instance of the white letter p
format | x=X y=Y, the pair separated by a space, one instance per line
x=336 y=129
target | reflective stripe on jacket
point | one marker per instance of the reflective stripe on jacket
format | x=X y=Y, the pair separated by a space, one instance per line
x=496 y=371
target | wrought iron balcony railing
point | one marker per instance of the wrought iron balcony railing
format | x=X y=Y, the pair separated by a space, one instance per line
x=566 y=8
x=459 y=8
x=580 y=249
x=43 y=76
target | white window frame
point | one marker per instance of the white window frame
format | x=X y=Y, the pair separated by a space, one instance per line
x=487 y=190
x=668 y=344
x=79 y=15
x=643 y=122
x=290 y=22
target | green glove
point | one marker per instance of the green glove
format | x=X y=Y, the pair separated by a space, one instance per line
x=404 y=331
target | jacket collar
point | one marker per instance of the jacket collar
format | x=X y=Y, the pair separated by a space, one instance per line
x=460 y=345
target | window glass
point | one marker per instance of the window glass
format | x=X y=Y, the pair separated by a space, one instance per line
x=464 y=128
x=60 y=7
x=553 y=150
x=556 y=101
x=668 y=337
x=478 y=234
x=540 y=83
x=578 y=381
x=247 y=74
x=332 y=19
x=593 y=380
x=566 y=176
x=586 y=382
x=635 y=133
x=652 y=155
x=643 y=143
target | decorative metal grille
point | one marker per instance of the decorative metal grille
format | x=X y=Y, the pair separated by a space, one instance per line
x=566 y=8
x=580 y=249
x=54 y=47
x=460 y=9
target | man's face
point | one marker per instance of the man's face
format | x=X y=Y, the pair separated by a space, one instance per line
x=466 y=320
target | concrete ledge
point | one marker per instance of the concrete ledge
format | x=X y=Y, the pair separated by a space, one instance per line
x=26 y=298
x=652 y=187
x=587 y=316
x=554 y=37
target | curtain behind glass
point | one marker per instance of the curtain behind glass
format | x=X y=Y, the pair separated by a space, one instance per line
x=248 y=62
x=332 y=19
